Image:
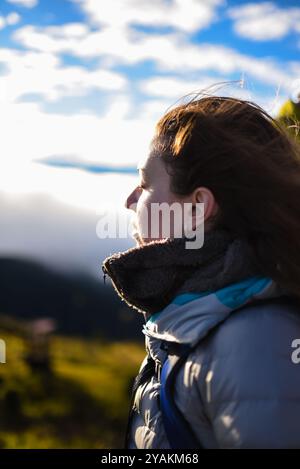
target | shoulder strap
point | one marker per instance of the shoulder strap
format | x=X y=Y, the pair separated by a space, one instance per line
x=179 y=432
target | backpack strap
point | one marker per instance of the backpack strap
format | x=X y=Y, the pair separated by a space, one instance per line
x=179 y=432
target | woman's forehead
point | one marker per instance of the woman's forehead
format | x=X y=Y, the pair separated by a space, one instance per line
x=147 y=163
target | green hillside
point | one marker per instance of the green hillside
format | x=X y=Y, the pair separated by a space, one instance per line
x=82 y=403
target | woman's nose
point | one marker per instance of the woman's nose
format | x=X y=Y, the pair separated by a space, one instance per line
x=131 y=201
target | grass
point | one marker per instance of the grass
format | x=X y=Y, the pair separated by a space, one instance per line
x=82 y=403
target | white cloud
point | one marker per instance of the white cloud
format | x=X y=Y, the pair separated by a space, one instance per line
x=69 y=30
x=190 y=15
x=31 y=134
x=43 y=73
x=170 y=52
x=153 y=109
x=54 y=39
x=10 y=20
x=13 y=18
x=24 y=3
x=176 y=88
x=264 y=21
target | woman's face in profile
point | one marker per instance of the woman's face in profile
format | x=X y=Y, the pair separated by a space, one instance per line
x=153 y=188
x=152 y=223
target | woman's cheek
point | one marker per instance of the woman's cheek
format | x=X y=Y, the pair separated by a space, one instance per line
x=143 y=215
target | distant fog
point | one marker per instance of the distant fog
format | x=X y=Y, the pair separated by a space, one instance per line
x=39 y=227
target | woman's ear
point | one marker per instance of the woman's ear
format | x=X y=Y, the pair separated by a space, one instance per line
x=203 y=195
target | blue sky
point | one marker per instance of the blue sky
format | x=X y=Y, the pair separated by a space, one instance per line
x=83 y=82
x=222 y=29
x=76 y=73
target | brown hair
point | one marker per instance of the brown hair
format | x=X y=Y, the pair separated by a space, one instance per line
x=251 y=165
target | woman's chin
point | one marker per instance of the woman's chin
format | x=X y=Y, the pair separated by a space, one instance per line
x=139 y=241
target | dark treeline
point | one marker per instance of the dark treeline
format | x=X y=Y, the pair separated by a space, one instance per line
x=80 y=305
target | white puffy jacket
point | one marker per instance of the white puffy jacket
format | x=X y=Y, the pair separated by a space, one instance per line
x=240 y=387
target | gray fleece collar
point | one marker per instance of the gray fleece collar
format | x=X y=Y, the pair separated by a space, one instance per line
x=148 y=277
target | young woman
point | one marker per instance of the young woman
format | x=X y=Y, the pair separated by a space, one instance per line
x=235 y=300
